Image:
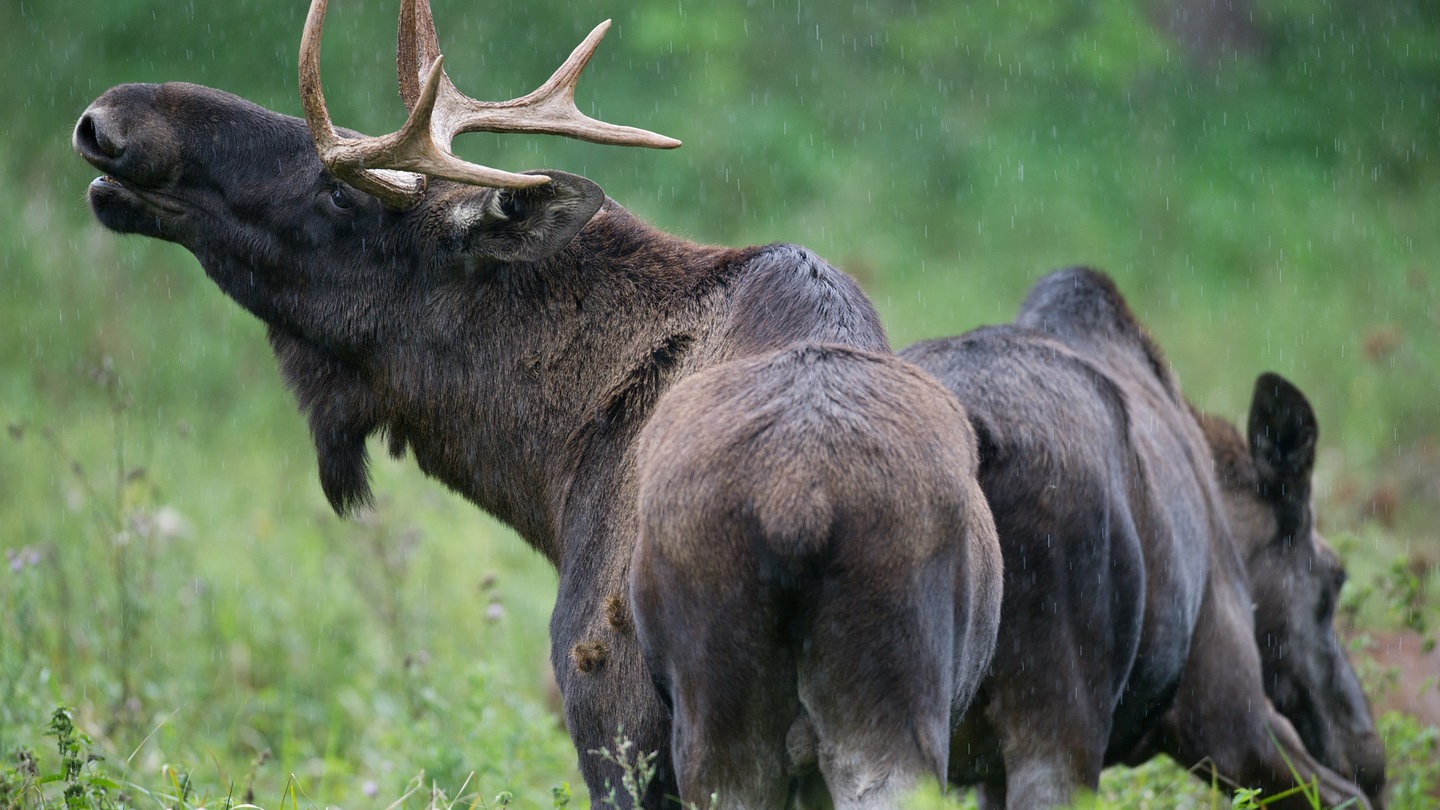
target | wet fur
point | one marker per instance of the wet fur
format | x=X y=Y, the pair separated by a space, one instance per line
x=815 y=561
x=1126 y=629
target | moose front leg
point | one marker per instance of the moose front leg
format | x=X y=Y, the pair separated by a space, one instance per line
x=609 y=694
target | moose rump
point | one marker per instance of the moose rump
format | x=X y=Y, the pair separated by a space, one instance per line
x=817 y=578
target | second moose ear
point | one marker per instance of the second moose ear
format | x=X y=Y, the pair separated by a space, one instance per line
x=528 y=224
x=1283 y=433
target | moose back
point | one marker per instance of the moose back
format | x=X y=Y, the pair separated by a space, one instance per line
x=1151 y=606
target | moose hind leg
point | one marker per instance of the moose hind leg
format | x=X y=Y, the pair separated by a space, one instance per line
x=1049 y=706
x=877 y=680
x=733 y=688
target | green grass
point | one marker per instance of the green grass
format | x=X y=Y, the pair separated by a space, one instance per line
x=182 y=586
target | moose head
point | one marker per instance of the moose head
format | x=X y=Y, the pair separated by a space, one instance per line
x=357 y=252
x=1295 y=579
x=312 y=245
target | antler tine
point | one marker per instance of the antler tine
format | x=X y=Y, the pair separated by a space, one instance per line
x=549 y=109
x=346 y=158
x=317 y=117
x=416 y=50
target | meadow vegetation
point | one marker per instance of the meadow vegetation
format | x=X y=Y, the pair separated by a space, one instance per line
x=175 y=580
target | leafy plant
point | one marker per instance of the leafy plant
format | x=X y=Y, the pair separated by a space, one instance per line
x=637 y=768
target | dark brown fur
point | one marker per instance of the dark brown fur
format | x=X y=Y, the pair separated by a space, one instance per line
x=815 y=561
x=514 y=342
x=1294 y=579
x=1127 y=627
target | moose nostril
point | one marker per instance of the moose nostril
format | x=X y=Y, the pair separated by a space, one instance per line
x=92 y=141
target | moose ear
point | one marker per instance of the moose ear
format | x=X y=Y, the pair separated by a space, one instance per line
x=1283 y=433
x=528 y=224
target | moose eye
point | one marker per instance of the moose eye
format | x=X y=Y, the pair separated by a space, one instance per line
x=335 y=200
x=340 y=199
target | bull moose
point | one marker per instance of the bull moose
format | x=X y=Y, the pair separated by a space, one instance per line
x=1165 y=588
x=516 y=332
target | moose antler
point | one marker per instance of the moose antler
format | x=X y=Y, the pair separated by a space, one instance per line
x=394 y=167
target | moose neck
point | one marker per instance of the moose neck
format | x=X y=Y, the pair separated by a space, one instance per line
x=528 y=383
x=522 y=379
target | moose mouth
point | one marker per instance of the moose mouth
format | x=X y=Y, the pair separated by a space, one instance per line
x=127 y=208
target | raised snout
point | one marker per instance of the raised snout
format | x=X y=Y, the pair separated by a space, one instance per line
x=123 y=134
x=127 y=134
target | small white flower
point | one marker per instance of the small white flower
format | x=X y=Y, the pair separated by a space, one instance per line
x=170 y=524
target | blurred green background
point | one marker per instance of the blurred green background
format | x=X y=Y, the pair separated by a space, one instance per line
x=1259 y=176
